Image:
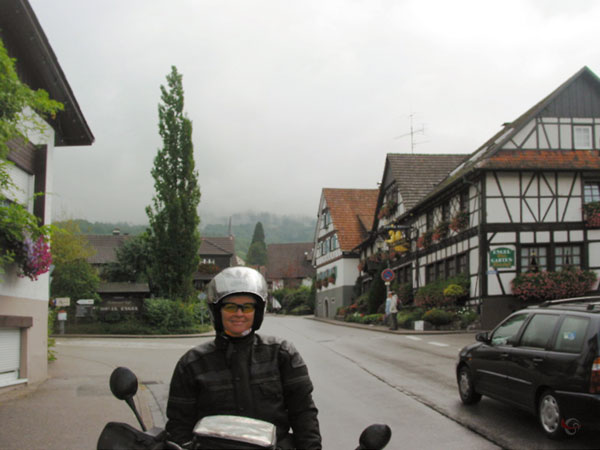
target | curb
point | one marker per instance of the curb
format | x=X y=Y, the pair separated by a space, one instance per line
x=384 y=329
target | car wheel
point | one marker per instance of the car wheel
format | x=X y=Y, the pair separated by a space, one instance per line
x=466 y=388
x=550 y=416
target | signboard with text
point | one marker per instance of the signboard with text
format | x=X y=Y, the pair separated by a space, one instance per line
x=502 y=258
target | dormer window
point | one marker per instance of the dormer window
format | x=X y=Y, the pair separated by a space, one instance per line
x=582 y=137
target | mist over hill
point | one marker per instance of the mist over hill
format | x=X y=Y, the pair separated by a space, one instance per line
x=278 y=228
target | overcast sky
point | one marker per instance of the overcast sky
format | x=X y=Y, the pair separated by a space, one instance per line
x=288 y=97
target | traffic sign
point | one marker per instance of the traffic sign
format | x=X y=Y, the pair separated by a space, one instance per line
x=387 y=275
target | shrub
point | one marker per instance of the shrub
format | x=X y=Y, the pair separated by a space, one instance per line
x=541 y=286
x=432 y=294
x=466 y=317
x=168 y=315
x=365 y=318
x=438 y=317
x=51 y=342
x=301 y=310
x=408 y=316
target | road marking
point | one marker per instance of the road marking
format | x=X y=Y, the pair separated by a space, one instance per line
x=438 y=344
x=413 y=338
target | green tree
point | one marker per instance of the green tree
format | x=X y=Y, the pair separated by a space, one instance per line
x=377 y=291
x=75 y=279
x=73 y=276
x=69 y=244
x=132 y=261
x=173 y=235
x=257 y=253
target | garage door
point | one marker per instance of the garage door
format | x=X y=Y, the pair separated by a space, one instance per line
x=10 y=355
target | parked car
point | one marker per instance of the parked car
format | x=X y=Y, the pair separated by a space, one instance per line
x=544 y=359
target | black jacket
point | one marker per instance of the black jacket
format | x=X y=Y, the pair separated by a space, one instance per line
x=256 y=376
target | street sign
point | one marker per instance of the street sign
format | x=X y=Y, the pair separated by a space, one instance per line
x=62 y=301
x=387 y=275
x=85 y=301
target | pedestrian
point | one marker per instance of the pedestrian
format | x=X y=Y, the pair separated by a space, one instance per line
x=393 y=301
x=241 y=372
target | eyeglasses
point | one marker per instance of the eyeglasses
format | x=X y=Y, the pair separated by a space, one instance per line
x=233 y=307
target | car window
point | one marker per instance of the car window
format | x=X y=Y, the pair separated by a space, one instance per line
x=508 y=329
x=539 y=330
x=571 y=334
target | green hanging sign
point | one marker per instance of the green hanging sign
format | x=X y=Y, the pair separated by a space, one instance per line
x=502 y=257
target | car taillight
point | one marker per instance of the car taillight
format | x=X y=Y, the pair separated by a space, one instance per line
x=595 y=377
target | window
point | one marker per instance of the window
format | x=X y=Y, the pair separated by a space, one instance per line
x=539 y=330
x=582 y=137
x=440 y=270
x=463 y=264
x=430 y=273
x=445 y=212
x=451 y=267
x=508 y=330
x=429 y=220
x=567 y=256
x=591 y=192
x=334 y=242
x=534 y=259
x=464 y=200
x=326 y=219
x=571 y=334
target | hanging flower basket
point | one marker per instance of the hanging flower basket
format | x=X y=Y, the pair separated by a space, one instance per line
x=23 y=242
x=459 y=222
x=592 y=214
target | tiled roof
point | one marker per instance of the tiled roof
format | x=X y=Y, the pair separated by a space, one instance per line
x=289 y=261
x=417 y=175
x=542 y=159
x=217 y=246
x=351 y=210
x=106 y=246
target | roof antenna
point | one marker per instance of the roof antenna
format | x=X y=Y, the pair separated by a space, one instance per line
x=412 y=134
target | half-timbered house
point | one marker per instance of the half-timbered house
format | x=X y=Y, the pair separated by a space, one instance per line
x=344 y=220
x=525 y=200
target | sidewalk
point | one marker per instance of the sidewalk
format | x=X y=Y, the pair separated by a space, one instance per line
x=74 y=403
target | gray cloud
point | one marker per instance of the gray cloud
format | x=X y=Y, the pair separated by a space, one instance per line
x=289 y=97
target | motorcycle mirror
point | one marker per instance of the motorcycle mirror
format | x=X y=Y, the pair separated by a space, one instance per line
x=123 y=383
x=375 y=437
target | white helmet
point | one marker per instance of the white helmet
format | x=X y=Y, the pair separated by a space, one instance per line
x=237 y=280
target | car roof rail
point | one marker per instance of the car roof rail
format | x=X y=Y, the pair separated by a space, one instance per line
x=591 y=298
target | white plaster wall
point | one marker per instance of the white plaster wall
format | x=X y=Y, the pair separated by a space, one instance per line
x=12 y=285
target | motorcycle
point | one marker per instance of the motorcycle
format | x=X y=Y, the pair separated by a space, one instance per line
x=211 y=432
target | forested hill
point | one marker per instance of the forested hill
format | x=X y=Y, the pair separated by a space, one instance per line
x=278 y=228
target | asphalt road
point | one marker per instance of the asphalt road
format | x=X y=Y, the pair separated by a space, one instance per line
x=360 y=377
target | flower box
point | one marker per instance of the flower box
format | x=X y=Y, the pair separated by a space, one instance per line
x=459 y=222
x=592 y=214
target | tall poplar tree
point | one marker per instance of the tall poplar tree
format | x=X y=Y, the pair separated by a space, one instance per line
x=173 y=234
